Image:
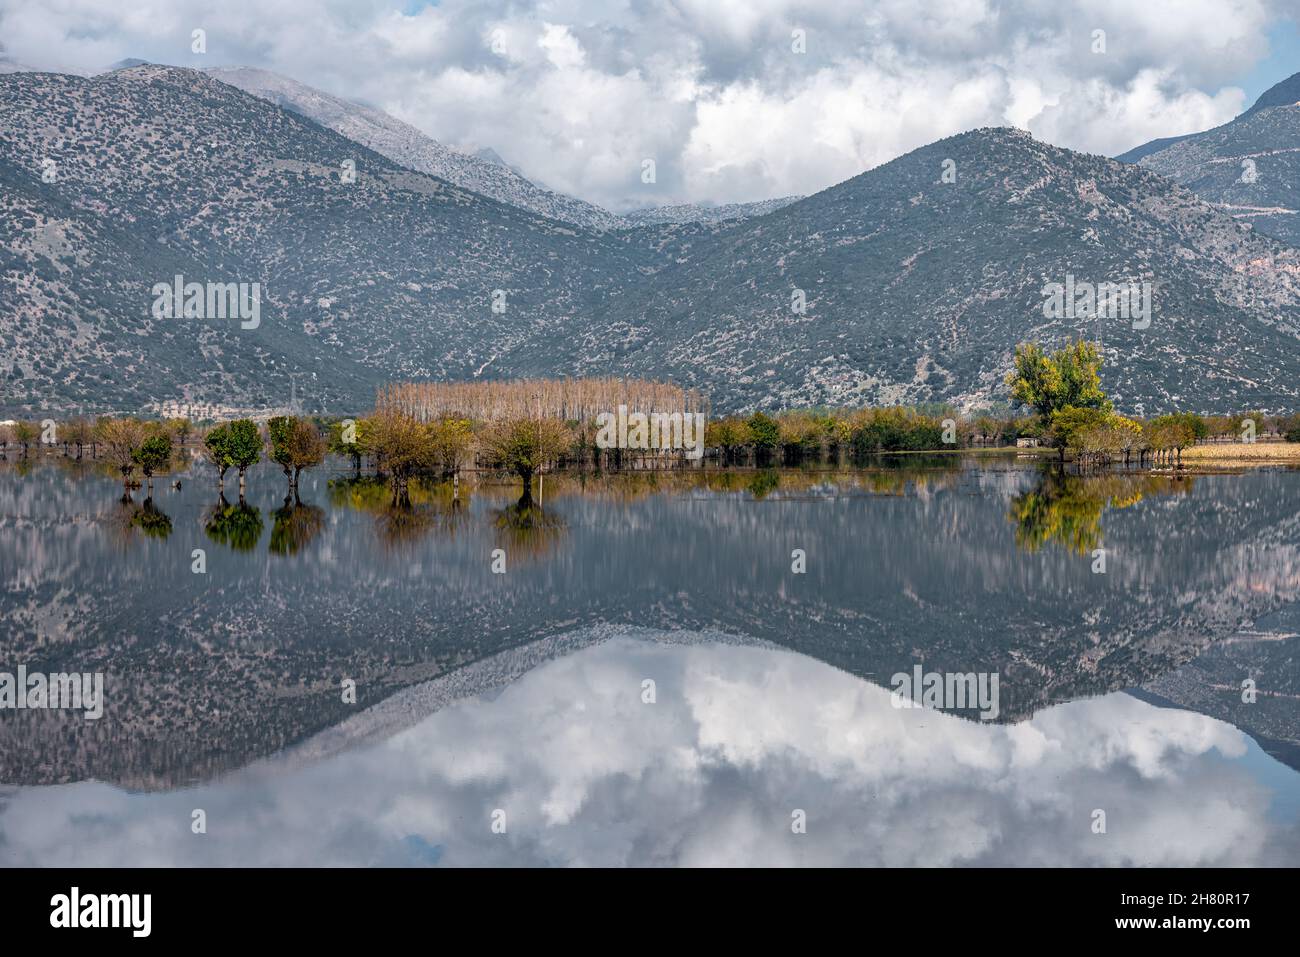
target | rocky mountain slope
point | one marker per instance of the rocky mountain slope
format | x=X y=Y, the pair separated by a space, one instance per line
x=698 y=213
x=158 y=172
x=916 y=289
x=1250 y=167
x=407 y=146
x=484 y=172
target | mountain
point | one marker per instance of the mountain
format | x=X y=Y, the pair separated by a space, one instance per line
x=916 y=289
x=1286 y=93
x=1152 y=146
x=489 y=155
x=407 y=146
x=9 y=65
x=162 y=172
x=700 y=213
x=1247 y=166
x=484 y=172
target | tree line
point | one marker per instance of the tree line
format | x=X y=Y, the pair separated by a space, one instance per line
x=528 y=426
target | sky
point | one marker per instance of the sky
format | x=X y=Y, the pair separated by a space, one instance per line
x=733 y=100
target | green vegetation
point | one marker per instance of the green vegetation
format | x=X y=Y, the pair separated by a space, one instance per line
x=122 y=439
x=239 y=525
x=25 y=434
x=1067 y=509
x=296 y=444
x=153 y=454
x=216 y=442
x=1063 y=390
x=524 y=446
x=294 y=525
x=532 y=426
x=347 y=438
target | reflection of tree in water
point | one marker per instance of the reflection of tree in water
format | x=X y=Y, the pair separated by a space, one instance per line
x=401 y=525
x=526 y=530
x=145 y=517
x=886 y=478
x=892 y=475
x=239 y=526
x=401 y=519
x=151 y=520
x=1067 y=509
x=762 y=483
x=294 y=525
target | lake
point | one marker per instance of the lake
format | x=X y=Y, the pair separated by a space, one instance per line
x=689 y=667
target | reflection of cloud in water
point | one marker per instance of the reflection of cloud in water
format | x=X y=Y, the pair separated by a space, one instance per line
x=739 y=737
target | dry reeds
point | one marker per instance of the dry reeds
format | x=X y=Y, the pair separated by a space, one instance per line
x=568 y=400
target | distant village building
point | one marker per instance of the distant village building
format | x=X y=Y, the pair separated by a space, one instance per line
x=1028 y=443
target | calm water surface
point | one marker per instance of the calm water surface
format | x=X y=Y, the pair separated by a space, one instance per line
x=526 y=692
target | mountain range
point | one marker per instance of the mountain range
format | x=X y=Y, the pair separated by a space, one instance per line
x=1249 y=167
x=917 y=278
x=483 y=172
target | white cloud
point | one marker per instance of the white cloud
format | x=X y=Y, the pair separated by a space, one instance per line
x=577 y=93
x=709 y=774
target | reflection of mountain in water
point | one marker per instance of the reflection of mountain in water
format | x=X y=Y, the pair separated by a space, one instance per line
x=737 y=739
x=903 y=568
x=1213 y=683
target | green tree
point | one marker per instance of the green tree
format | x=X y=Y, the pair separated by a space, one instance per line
x=524 y=446
x=182 y=428
x=764 y=433
x=1068 y=377
x=1069 y=425
x=25 y=434
x=1291 y=428
x=1171 y=433
x=347 y=438
x=217 y=442
x=243 y=447
x=729 y=435
x=1193 y=424
x=295 y=445
x=403 y=447
x=153 y=454
x=450 y=441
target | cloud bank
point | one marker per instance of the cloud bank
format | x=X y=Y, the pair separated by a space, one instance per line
x=734 y=100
